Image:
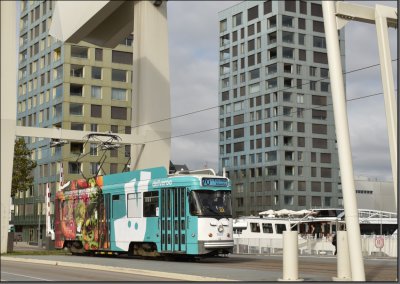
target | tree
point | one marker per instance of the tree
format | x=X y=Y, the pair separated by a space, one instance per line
x=23 y=165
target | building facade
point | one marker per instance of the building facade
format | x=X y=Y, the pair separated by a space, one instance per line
x=277 y=134
x=78 y=87
x=375 y=194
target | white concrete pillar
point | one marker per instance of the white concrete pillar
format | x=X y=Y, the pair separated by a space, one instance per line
x=343 y=258
x=150 y=86
x=343 y=141
x=8 y=61
x=381 y=14
x=290 y=256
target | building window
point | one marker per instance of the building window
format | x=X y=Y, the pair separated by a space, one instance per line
x=79 y=51
x=324 y=73
x=113 y=168
x=222 y=26
x=300 y=127
x=94 y=167
x=287 y=52
x=98 y=54
x=327 y=186
x=326 y=172
x=271 y=69
x=301 y=200
x=95 y=110
x=254 y=74
x=325 y=158
x=254 y=88
x=319 y=114
x=319 y=42
x=75 y=109
x=272 y=53
x=119 y=75
x=301 y=142
x=75 y=90
x=118 y=94
x=58 y=91
x=267 y=7
x=318 y=26
x=122 y=57
x=313 y=172
x=76 y=126
x=76 y=71
x=118 y=112
x=320 y=143
x=287 y=37
x=319 y=100
x=74 y=168
x=324 y=87
x=316 y=10
x=93 y=149
x=315 y=201
x=302 y=55
x=96 y=92
x=272 y=83
x=288 y=200
x=319 y=128
x=93 y=127
x=313 y=85
x=237 y=20
x=252 y=13
x=96 y=73
x=250 y=30
x=287 y=21
x=315 y=186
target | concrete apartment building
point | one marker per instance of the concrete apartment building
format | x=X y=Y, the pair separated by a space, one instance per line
x=78 y=87
x=277 y=135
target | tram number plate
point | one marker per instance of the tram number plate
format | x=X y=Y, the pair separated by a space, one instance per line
x=379 y=242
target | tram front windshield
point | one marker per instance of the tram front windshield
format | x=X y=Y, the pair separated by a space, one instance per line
x=210 y=203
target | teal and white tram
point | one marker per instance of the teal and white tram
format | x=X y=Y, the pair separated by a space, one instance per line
x=146 y=212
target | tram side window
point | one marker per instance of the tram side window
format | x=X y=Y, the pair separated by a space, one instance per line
x=150 y=204
x=280 y=228
x=255 y=227
x=267 y=228
x=118 y=206
x=135 y=205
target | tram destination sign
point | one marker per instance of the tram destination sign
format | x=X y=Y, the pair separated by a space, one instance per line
x=217 y=182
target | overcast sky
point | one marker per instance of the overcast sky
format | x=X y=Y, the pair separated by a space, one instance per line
x=193 y=48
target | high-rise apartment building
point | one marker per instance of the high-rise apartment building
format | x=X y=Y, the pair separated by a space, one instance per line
x=78 y=87
x=277 y=133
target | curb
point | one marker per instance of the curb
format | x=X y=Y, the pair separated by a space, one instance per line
x=149 y=273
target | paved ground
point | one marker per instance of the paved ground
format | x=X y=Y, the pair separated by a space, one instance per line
x=234 y=267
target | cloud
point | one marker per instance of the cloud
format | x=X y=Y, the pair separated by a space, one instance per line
x=193 y=48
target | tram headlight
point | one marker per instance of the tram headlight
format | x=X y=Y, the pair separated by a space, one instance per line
x=220 y=228
x=228 y=235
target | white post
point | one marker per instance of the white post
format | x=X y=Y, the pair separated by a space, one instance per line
x=343 y=260
x=344 y=148
x=290 y=256
x=388 y=86
x=150 y=86
x=8 y=104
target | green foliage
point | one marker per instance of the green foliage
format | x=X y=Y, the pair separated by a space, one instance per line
x=23 y=165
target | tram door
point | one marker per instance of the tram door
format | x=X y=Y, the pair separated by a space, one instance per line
x=173 y=221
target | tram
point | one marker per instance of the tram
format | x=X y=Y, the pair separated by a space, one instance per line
x=147 y=213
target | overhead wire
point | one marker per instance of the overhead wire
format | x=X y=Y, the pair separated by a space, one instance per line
x=281 y=90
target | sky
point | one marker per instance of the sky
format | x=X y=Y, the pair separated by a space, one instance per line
x=194 y=50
